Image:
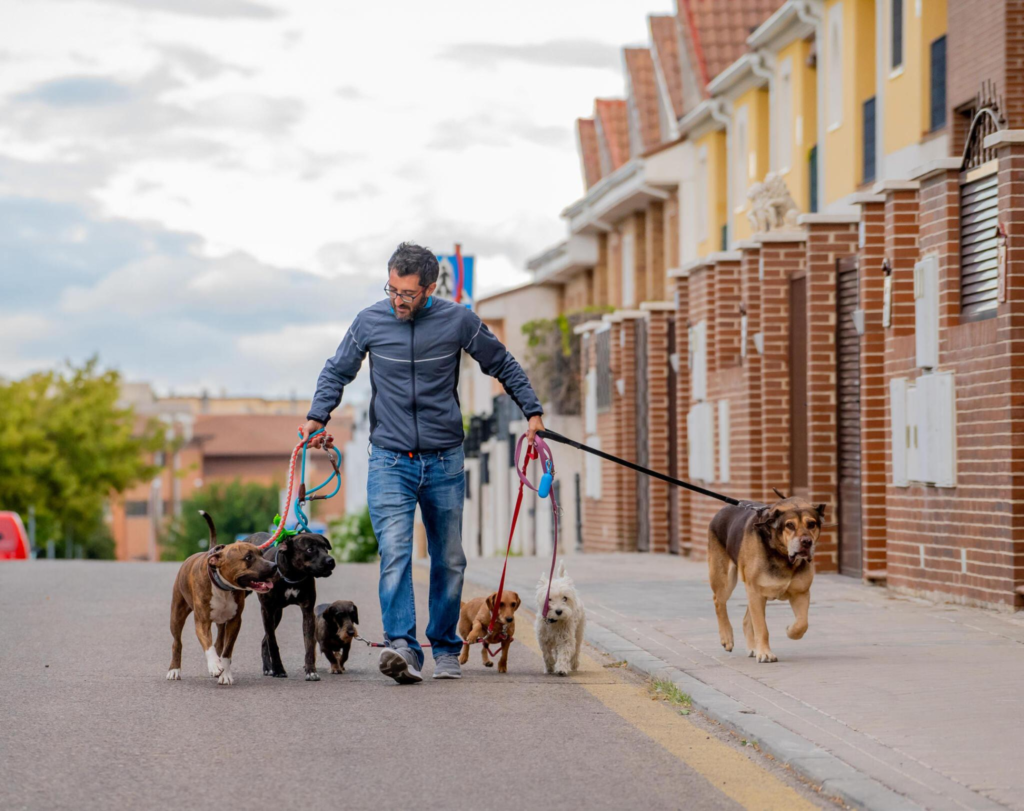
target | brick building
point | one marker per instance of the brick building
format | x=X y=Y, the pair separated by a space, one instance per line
x=221 y=440
x=803 y=219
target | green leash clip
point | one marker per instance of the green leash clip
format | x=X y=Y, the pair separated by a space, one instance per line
x=288 y=532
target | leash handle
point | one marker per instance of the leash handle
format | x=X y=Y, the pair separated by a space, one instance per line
x=554 y=436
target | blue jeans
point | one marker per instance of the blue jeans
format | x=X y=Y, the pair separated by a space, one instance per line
x=395 y=485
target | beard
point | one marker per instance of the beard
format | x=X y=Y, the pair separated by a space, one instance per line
x=406 y=312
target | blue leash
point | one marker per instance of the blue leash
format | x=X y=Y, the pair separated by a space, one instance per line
x=307 y=495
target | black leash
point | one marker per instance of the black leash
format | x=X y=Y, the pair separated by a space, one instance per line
x=554 y=436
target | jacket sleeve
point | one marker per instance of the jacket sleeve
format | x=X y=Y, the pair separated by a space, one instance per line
x=495 y=360
x=338 y=372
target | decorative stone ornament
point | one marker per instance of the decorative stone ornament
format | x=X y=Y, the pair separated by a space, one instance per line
x=772 y=207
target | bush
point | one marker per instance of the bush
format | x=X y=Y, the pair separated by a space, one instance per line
x=352 y=538
x=236 y=509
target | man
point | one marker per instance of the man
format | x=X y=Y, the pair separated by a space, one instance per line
x=415 y=343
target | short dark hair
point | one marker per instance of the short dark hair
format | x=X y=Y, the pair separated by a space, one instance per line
x=411 y=258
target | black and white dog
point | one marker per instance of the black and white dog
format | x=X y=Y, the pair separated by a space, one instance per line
x=300 y=559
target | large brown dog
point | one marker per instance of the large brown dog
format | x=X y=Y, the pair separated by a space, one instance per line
x=214 y=585
x=476 y=616
x=771 y=548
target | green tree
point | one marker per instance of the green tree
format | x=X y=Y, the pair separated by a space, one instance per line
x=66 y=446
x=352 y=538
x=236 y=509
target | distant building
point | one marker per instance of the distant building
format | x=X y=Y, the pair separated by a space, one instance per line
x=249 y=439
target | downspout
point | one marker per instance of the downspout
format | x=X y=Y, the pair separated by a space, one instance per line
x=720 y=112
x=805 y=14
x=759 y=67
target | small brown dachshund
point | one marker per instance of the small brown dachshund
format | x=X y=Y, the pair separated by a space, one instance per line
x=473 y=622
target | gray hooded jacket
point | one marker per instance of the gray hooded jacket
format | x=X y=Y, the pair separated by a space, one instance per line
x=414 y=373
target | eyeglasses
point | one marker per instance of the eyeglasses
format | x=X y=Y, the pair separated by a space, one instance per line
x=406 y=297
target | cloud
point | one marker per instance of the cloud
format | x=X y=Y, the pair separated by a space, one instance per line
x=78 y=91
x=485 y=130
x=213 y=9
x=566 y=53
x=153 y=303
x=200 y=64
x=349 y=92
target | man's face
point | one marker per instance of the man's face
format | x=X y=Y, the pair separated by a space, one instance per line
x=406 y=294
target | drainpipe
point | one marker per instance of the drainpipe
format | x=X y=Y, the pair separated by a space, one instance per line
x=721 y=112
x=760 y=68
x=806 y=13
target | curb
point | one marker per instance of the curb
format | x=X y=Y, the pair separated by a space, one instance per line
x=836 y=778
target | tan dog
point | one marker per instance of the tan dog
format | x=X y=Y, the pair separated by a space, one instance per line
x=476 y=616
x=771 y=548
x=214 y=585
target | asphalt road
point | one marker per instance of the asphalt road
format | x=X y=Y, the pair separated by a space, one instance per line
x=88 y=720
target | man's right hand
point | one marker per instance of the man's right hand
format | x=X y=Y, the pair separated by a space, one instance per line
x=311 y=427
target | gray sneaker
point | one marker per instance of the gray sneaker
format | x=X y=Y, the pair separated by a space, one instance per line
x=400 y=664
x=447 y=666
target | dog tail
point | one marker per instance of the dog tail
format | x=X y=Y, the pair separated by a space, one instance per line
x=213 y=529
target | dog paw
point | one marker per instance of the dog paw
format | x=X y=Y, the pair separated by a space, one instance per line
x=312 y=676
x=502 y=669
x=488 y=664
x=174 y=674
x=767 y=657
x=795 y=634
x=727 y=644
x=215 y=669
x=226 y=678
x=751 y=653
x=561 y=672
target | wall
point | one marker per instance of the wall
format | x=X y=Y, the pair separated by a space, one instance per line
x=755 y=164
x=803 y=127
x=715 y=198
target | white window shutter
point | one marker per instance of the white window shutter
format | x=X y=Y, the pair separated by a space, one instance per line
x=693 y=443
x=898 y=424
x=699 y=371
x=591 y=402
x=628 y=274
x=926 y=311
x=593 y=468
x=723 y=441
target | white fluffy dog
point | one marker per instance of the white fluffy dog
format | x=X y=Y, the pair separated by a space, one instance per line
x=561 y=633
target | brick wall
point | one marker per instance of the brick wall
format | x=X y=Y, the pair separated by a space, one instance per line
x=701 y=307
x=682 y=301
x=670 y=249
x=745 y=410
x=976 y=50
x=658 y=423
x=624 y=408
x=654 y=250
x=578 y=292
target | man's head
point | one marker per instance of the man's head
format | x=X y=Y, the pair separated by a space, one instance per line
x=412 y=277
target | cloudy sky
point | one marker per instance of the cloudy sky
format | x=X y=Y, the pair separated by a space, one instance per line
x=205 y=192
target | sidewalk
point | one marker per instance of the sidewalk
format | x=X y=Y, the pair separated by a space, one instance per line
x=925 y=700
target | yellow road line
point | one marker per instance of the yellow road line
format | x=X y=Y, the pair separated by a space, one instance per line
x=727 y=770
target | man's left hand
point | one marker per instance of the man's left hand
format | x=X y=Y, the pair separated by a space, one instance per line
x=536 y=424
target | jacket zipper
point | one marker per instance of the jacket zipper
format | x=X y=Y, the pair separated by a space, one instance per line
x=412 y=370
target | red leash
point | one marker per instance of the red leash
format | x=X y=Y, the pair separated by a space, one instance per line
x=531 y=453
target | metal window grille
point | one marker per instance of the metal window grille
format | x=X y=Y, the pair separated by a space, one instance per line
x=897 y=33
x=604 y=371
x=812 y=178
x=979 y=260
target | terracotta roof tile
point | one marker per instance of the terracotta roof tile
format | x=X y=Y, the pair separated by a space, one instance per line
x=590 y=157
x=612 y=118
x=257 y=434
x=723 y=27
x=645 y=123
x=665 y=41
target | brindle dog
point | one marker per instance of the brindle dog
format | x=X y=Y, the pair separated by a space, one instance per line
x=214 y=585
x=299 y=558
x=771 y=548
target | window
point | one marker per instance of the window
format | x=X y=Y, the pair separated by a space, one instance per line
x=699 y=360
x=702 y=194
x=723 y=441
x=741 y=150
x=868 y=155
x=604 y=370
x=812 y=178
x=896 y=30
x=700 y=430
x=784 y=128
x=938 y=84
x=835 y=66
x=628 y=271
x=136 y=509
x=926 y=311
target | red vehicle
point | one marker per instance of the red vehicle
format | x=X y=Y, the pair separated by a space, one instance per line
x=13 y=538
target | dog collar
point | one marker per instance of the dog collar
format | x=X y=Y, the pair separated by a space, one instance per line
x=277 y=554
x=220 y=582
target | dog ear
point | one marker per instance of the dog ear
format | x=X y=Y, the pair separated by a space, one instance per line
x=355 y=614
x=214 y=555
x=489 y=602
x=821 y=510
x=561 y=568
x=763 y=521
x=326 y=542
x=515 y=599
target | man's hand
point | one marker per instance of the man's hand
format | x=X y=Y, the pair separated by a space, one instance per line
x=312 y=427
x=536 y=424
